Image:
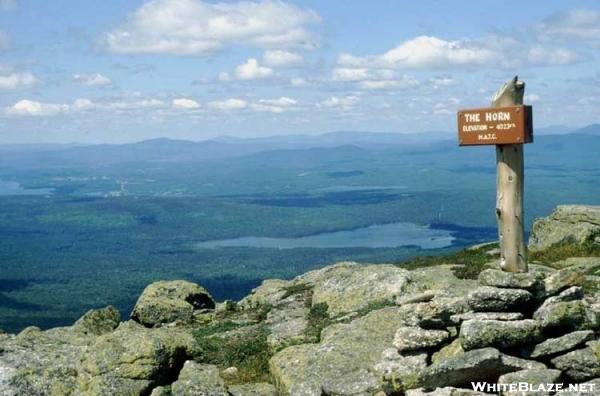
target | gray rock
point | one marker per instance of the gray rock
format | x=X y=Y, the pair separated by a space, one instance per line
x=436 y=314
x=161 y=391
x=504 y=316
x=287 y=322
x=565 y=278
x=567 y=223
x=416 y=298
x=531 y=281
x=198 y=379
x=258 y=389
x=562 y=316
x=395 y=366
x=501 y=334
x=495 y=299
x=349 y=286
x=414 y=338
x=579 y=365
x=344 y=349
x=477 y=365
x=267 y=294
x=517 y=364
x=361 y=382
x=170 y=301
x=535 y=378
x=448 y=351
x=98 y=321
x=554 y=346
x=571 y=294
x=133 y=359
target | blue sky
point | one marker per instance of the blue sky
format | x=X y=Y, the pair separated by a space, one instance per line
x=121 y=71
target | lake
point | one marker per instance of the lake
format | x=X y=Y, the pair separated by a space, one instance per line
x=374 y=236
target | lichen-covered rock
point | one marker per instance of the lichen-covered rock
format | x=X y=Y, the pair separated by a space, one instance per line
x=344 y=349
x=435 y=314
x=258 y=389
x=562 y=316
x=453 y=349
x=487 y=316
x=567 y=223
x=98 y=321
x=198 y=379
x=565 y=278
x=170 y=301
x=133 y=359
x=555 y=346
x=410 y=338
x=362 y=382
x=579 y=365
x=490 y=299
x=347 y=286
x=476 y=334
x=531 y=281
x=484 y=364
x=584 y=389
x=395 y=367
x=535 y=378
x=287 y=322
x=267 y=294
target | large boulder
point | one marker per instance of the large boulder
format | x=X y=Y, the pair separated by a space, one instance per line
x=567 y=223
x=581 y=364
x=98 y=321
x=348 y=286
x=538 y=381
x=133 y=359
x=347 y=351
x=170 y=301
x=409 y=338
x=555 y=346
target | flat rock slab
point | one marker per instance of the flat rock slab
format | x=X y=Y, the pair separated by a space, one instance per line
x=409 y=338
x=504 y=316
x=496 y=299
x=537 y=380
x=476 y=334
x=565 y=278
x=531 y=281
x=554 y=346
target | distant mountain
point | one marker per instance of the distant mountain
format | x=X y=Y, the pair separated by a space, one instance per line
x=592 y=129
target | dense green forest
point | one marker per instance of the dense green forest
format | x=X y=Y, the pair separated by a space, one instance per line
x=91 y=226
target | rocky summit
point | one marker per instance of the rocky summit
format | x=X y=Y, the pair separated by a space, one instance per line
x=420 y=328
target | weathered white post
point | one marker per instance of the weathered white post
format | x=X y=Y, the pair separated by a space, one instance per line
x=508 y=125
x=510 y=179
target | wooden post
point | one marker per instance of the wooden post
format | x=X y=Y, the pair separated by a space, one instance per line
x=509 y=188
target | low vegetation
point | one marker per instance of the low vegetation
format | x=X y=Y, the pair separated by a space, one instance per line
x=470 y=261
x=246 y=350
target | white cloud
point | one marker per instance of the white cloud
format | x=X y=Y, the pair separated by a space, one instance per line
x=33 y=108
x=229 y=104
x=190 y=27
x=274 y=105
x=282 y=58
x=580 y=25
x=17 y=80
x=344 y=103
x=373 y=78
x=184 y=103
x=92 y=80
x=224 y=76
x=438 y=82
x=429 y=52
x=251 y=70
x=139 y=104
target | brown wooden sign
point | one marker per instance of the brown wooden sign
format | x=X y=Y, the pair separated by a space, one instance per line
x=495 y=125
